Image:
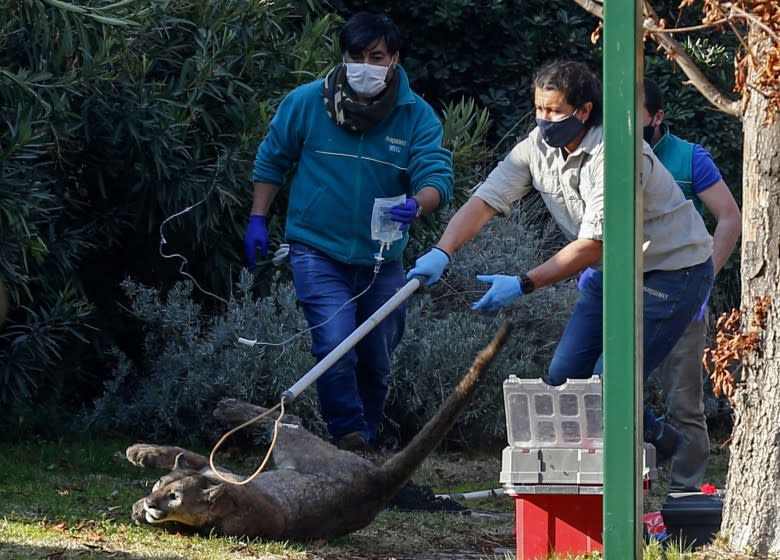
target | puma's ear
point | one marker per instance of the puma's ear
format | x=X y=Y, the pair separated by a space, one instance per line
x=212 y=493
x=180 y=462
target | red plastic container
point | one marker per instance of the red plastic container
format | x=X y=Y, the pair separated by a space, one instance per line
x=557 y=523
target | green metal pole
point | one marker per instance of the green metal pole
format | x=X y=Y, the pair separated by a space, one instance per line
x=622 y=379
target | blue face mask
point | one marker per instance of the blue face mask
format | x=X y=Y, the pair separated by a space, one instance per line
x=648 y=132
x=558 y=134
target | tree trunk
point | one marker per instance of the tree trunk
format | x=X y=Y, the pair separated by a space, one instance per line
x=752 y=504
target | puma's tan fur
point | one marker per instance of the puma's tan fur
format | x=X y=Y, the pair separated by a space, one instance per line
x=315 y=491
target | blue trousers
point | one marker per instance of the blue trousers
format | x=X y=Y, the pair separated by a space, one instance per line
x=672 y=298
x=353 y=391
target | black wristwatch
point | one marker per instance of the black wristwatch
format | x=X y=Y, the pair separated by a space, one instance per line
x=526 y=284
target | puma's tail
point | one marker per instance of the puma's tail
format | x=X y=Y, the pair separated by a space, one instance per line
x=400 y=467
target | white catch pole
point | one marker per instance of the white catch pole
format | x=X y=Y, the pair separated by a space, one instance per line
x=346 y=345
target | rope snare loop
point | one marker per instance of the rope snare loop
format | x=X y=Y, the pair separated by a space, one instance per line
x=260 y=469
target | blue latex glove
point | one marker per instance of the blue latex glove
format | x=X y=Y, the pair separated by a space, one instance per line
x=405 y=213
x=430 y=265
x=503 y=291
x=256 y=236
x=587 y=273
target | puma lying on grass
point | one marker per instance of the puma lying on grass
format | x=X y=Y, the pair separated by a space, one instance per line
x=316 y=489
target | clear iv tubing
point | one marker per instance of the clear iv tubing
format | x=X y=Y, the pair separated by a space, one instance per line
x=382 y=246
x=184 y=261
x=378 y=257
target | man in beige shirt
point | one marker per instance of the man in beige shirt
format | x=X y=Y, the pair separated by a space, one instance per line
x=563 y=159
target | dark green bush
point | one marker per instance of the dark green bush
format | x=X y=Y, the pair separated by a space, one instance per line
x=115 y=117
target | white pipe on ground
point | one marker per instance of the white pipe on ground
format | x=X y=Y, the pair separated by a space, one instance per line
x=474 y=495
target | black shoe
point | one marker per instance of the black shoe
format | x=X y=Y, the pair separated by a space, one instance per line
x=414 y=497
x=666 y=442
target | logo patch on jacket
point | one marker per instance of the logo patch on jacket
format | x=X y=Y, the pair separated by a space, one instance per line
x=395 y=144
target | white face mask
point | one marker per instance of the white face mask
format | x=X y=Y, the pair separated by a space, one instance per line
x=366 y=80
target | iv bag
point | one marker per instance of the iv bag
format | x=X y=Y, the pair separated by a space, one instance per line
x=383 y=228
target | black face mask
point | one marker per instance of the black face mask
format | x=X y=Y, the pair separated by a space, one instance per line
x=558 y=134
x=648 y=132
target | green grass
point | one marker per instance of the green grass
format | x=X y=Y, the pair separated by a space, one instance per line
x=68 y=501
x=73 y=500
x=81 y=481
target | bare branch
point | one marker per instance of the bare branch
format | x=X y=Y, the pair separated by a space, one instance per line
x=685 y=29
x=675 y=51
x=752 y=18
x=592 y=7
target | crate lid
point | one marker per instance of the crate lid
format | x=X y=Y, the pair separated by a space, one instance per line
x=542 y=415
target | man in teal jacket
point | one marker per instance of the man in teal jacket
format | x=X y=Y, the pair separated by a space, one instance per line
x=680 y=374
x=359 y=135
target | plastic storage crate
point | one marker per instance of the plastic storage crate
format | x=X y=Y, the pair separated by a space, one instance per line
x=540 y=415
x=554 y=465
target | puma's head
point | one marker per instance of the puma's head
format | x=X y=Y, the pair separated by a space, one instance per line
x=183 y=496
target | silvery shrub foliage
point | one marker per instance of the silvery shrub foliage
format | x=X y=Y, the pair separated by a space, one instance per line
x=192 y=359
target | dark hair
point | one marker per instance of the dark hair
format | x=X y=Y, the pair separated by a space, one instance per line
x=364 y=29
x=654 y=97
x=576 y=82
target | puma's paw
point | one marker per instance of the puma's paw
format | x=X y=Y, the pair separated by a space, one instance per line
x=152 y=456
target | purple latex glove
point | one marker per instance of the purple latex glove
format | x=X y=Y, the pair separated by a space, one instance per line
x=256 y=236
x=586 y=274
x=703 y=310
x=405 y=213
x=504 y=289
